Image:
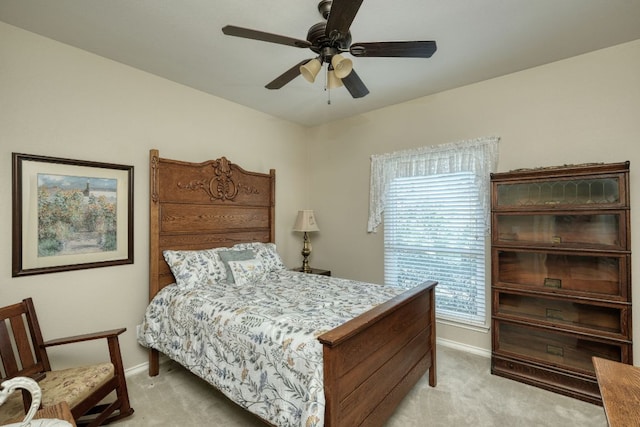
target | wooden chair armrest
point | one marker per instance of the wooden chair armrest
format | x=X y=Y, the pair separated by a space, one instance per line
x=38 y=376
x=85 y=337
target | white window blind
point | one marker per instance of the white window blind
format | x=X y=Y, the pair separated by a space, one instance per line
x=436 y=206
x=434 y=230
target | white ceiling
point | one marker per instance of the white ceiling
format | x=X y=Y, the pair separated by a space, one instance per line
x=181 y=40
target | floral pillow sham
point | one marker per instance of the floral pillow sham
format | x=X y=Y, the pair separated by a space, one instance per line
x=195 y=268
x=267 y=253
x=211 y=266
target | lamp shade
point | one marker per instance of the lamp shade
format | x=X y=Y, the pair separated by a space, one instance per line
x=306 y=221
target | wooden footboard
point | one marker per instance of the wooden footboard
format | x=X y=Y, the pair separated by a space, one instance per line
x=372 y=361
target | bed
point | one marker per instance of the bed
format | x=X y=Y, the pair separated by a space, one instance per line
x=367 y=363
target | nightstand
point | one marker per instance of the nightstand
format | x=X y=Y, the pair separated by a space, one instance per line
x=315 y=271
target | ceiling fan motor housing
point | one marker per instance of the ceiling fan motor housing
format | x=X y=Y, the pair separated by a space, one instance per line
x=319 y=40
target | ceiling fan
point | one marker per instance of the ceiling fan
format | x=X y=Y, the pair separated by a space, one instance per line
x=329 y=39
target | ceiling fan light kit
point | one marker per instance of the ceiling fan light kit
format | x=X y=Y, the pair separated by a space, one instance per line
x=329 y=39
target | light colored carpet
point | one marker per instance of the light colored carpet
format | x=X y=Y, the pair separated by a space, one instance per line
x=466 y=395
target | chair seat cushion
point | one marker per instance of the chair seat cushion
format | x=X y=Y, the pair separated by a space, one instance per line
x=72 y=385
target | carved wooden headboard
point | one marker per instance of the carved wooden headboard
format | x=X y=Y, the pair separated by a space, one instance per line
x=205 y=205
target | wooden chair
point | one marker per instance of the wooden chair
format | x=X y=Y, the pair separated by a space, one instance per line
x=23 y=352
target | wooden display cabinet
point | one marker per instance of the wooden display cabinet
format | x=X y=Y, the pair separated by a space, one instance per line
x=561 y=276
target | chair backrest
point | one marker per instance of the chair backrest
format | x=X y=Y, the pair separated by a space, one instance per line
x=22 y=352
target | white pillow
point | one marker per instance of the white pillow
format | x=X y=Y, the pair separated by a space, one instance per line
x=195 y=268
x=247 y=271
x=265 y=252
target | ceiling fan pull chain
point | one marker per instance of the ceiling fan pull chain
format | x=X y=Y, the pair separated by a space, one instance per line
x=327 y=87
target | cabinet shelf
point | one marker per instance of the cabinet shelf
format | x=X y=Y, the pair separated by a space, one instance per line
x=560 y=274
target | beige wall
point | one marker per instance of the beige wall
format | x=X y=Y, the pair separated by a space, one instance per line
x=62 y=102
x=584 y=109
x=59 y=101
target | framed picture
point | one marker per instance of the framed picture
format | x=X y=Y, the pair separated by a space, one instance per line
x=70 y=214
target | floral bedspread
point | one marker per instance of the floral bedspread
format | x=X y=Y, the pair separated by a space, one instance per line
x=257 y=343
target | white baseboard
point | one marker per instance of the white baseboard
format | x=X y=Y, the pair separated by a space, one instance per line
x=464 y=347
x=136 y=369
x=143 y=366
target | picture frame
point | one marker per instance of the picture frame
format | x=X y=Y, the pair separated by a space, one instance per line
x=70 y=214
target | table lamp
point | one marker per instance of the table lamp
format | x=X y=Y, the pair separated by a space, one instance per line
x=306 y=222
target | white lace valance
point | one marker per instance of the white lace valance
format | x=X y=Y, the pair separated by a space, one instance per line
x=479 y=156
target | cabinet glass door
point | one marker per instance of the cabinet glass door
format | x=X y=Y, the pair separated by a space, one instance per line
x=568 y=351
x=581 y=230
x=570 y=314
x=568 y=192
x=569 y=273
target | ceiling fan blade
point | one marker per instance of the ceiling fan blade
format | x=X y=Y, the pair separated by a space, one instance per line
x=287 y=76
x=341 y=16
x=354 y=85
x=247 y=33
x=414 y=49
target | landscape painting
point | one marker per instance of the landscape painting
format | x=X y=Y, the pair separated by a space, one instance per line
x=76 y=214
x=70 y=214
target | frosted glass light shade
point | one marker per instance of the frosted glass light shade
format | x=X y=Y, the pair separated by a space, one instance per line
x=332 y=80
x=341 y=65
x=310 y=70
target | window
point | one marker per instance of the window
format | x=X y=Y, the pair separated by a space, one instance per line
x=436 y=206
x=434 y=230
